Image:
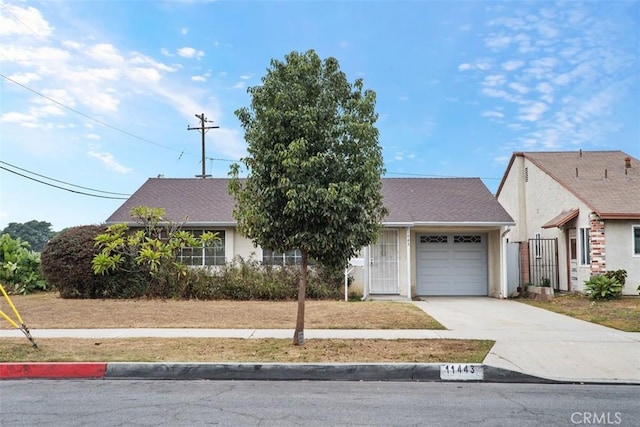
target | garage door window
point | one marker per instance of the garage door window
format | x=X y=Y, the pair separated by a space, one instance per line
x=434 y=239
x=467 y=239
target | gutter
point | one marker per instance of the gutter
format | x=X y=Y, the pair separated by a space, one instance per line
x=447 y=224
x=187 y=224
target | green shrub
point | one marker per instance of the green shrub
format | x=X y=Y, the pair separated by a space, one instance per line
x=19 y=267
x=619 y=275
x=249 y=279
x=601 y=287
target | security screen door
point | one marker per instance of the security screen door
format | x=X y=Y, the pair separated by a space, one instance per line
x=383 y=265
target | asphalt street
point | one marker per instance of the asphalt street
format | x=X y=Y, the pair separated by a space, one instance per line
x=297 y=403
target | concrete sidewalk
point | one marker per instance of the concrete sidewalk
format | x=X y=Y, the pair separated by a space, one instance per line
x=529 y=340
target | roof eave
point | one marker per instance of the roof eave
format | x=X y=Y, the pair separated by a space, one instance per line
x=615 y=215
x=184 y=223
x=449 y=224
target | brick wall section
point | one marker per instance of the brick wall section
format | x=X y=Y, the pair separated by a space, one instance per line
x=524 y=262
x=597 y=242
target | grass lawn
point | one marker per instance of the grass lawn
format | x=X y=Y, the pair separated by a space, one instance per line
x=622 y=314
x=47 y=310
x=245 y=350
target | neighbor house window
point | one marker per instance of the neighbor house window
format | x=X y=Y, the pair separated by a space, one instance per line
x=270 y=257
x=211 y=254
x=585 y=247
x=636 y=239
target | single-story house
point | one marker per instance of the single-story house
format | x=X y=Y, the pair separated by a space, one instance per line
x=577 y=214
x=443 y=236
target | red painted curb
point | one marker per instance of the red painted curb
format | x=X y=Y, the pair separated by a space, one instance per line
x=52 y=370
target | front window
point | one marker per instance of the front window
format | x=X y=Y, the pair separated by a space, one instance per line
x=270 y=257
x=585 y=247
x=636 y=240
x=211 y=254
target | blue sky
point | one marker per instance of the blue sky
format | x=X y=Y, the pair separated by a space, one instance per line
x=99 y=94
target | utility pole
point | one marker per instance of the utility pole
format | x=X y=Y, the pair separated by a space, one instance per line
x=203 y=129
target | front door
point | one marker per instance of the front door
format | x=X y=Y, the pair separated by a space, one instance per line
x=573 y=260
x=383 y=263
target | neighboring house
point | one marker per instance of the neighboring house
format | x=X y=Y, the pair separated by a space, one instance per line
x=441 y=237
x=584 y=205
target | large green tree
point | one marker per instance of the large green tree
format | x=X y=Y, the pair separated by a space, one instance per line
x=37 y=233
x=313 y=165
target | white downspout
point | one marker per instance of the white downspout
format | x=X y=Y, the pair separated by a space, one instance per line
x=503 y=263
x=408 y=238
x=367 y=274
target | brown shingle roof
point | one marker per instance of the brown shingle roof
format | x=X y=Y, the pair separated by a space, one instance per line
x=602 y=181
x=409 y=200
x=562 y=218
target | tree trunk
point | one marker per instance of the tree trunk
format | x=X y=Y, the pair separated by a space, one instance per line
x=298 y=335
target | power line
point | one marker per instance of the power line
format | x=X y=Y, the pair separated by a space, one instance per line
x=63 y=182
x=63 y=188
x=103 y=123
x=432 y=176
x=20 y=21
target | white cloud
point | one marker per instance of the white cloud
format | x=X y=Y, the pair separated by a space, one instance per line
x=497 y=42
x=184 y=31
x=105 y=52
x=18 y=118
x=93 y=136
x=245 y=77
x=102 y=102
x=147 y=75
x=238 y=85
x=165 y=52
x=109 y=161
x=137 y=58
x=532 y=112
x=199 y=78
x=25 y=78
x=25 y=21
x=519 y=87
x=191 y=53
x=495 y=114
x=494 y=80
x=512 y=65
x=476 y=66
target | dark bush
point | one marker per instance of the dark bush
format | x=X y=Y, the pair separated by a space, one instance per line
x=65 y=263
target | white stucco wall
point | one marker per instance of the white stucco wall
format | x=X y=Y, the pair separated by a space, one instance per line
x=535 y=202
x=619 y=252
x=512 y=198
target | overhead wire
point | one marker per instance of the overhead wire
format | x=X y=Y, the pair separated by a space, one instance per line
x=182 y=152
x=63 y=182
x=63 y=188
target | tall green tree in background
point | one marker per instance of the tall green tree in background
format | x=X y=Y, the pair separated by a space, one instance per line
x=36 y=233
x=314 y=165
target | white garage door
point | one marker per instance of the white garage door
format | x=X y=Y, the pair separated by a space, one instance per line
x=452 y=264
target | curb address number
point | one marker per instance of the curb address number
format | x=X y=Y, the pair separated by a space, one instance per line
x=461 y=372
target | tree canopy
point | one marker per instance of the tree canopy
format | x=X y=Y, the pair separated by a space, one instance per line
x=313 y=164
x=37 y=233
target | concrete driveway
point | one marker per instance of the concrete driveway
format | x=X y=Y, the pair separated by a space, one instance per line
x=539 y=342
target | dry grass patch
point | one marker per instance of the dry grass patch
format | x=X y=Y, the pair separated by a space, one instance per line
x=243 y=350
x=48 y=311
x=622 y=314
